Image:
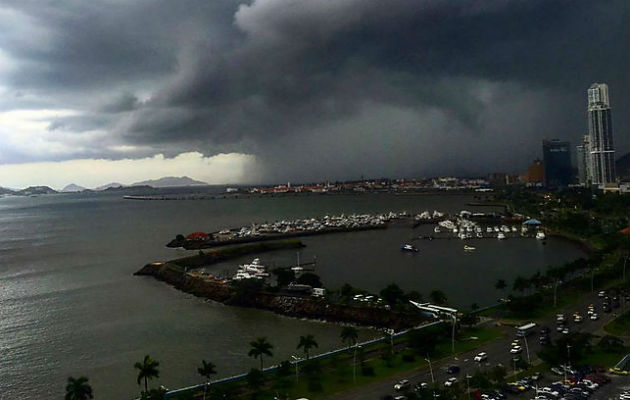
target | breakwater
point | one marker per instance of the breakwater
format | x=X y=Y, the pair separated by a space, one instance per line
x=183 y=274
x=189 y=244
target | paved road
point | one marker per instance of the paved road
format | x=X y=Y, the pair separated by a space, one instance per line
x=498 y=353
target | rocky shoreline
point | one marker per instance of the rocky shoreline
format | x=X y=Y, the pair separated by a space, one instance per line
x=291 y=305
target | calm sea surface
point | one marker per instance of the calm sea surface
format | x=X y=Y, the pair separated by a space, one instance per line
x=69 y=304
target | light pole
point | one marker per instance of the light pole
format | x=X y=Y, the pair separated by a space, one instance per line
x=569 y=355
x=354 y=362
x=514 y=363
x=431 y=371
x=296 y=361
x=526 y=349
x=468 y=384
x=454 y=315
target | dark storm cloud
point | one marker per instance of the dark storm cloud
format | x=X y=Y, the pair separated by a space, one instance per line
x=402 y=87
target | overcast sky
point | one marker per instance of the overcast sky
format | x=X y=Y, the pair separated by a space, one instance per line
x=299 y=90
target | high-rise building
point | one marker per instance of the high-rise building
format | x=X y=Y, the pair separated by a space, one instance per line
x=584 y=161
x=557 y=163
x=602 y=160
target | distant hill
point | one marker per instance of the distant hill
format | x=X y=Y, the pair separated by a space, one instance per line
x=171 y=181
x=6 y=190
x=35 y=190
x=135 y=188
x=622 y=166
x=110 y=185
x=73 y=188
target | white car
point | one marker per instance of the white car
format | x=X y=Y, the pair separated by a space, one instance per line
x=594 y=317
x=559 y=317
x=481 y=357
x=450 y=381
x=401 y=385
x=602 y=293
x=565 y=331
x=577 y=318
x=516 y=349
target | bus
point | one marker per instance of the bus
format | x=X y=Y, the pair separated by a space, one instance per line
x=525 y=329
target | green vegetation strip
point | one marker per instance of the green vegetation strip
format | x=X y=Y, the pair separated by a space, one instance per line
x=374 y=363
x=620 y=326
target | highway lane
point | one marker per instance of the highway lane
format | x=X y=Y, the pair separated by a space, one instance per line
x=498 y=353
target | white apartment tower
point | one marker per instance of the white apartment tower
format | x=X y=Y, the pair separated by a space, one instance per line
x=600 y=141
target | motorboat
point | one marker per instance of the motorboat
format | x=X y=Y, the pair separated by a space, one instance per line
x=409 y=248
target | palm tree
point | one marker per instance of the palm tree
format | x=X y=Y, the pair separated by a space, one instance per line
x=260 y=347
x=206 y=369
x=307 y=342
x=349 y=334
x=78 y=389
x=147 y=370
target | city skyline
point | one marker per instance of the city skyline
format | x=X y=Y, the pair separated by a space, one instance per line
x=273 y=91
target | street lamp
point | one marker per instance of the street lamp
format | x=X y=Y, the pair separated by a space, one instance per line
x=569 y=355
x=526 y=349
x=296 y=361
x=468 y=384
x=432 y=377
x=354 y=362
x=454 y=315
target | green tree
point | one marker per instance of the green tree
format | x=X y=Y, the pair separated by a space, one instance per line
x=206 y=370
x=349 y=335
x=500 y=285
x=392 y=294
x=438 y=297
x=469 y=319
x=78 y=389
x=309 y=278
x=259 y=348
x=147 y=369
x=347 y=290
x=255 y=379
x=521 y=284
x=284 y=276
x=306 y=343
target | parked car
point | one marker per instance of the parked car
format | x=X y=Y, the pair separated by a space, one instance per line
x=481 y=357
x=594 y=316
x=452 y=369
x=450 y=381
x=557 y=371
x=618 y=371
x=402 y=385
x=516 y=350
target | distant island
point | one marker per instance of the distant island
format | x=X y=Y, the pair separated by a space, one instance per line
x=72 y=188
x=170 y=181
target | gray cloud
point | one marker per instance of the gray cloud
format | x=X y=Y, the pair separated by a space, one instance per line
x=333 y=88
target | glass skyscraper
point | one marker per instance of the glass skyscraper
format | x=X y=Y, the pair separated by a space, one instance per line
x=602 y=152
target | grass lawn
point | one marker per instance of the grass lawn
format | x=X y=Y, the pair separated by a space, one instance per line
x=620 y=326
x=600 y=357
x=336 y=374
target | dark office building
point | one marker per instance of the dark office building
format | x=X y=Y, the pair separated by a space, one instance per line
x=557 y=161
